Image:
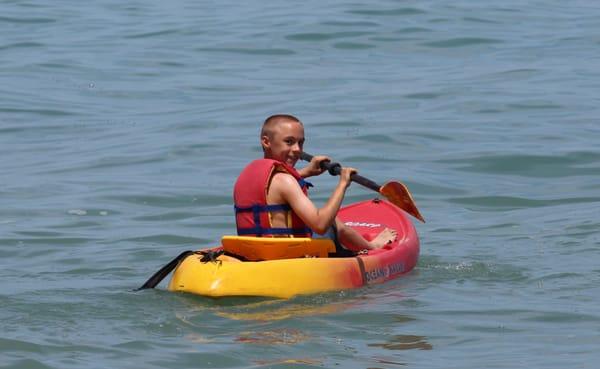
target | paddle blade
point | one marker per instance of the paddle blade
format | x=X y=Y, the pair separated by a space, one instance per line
x=398 y=194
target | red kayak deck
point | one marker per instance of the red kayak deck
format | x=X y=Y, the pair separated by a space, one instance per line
x=369 y=218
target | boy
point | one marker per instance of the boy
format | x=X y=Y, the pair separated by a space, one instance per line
x=271 y=196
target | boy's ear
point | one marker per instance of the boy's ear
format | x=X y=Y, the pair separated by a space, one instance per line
x=265 y=142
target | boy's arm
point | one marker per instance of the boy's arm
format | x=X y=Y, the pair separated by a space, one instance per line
x=285 y=187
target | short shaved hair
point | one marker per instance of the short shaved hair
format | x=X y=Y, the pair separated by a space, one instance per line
x=274 y=120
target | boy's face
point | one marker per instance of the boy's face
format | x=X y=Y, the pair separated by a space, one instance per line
x=286 y=142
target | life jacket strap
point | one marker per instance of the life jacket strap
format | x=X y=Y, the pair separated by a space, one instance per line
x=304 y=183
x=258 y=209
x=262 y=208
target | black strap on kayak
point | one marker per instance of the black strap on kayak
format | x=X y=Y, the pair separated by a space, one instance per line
x=211 y=255
x=157 y=277
x=164 y=271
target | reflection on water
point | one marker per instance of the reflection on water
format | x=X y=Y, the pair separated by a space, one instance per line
x=198 y=338
x=405 y=342
x=260 y=309
x=274 y=310
x=253 y=309
x=403 y=318
x=283 y=336
x=387 y=362
x=302 y=361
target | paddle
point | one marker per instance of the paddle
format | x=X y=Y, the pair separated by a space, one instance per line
x=396 y=192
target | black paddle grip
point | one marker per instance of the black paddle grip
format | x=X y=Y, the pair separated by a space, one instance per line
x=333 y=168
x=336 y=168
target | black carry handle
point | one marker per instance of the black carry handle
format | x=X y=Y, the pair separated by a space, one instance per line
x=336 y=168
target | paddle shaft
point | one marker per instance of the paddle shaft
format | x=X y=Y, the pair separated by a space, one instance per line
x=396 y=192
x=336 y=168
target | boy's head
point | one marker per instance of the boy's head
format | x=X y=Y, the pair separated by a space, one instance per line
x=282 y=138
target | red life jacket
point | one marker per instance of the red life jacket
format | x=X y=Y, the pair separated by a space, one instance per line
x=250 y=199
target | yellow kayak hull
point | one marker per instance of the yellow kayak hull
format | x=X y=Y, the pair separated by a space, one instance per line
x=284 y=278
x=275 y=278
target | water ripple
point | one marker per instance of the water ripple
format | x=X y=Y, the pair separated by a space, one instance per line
x=472 y=271
x=164 y=239
x=41 y=112
x=153 y=34
x=492 y=203
x=534 y=105
x=350 y=24
x=409 y=30
x=248 y=51
x=323 y=36
x=352 y=46
x=388 y=12
x=528 y=165
x=405 y=342
x=462 y=42
x=26 y=20
x=21 y=45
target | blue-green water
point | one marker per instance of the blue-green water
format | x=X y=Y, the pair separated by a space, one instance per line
x=124 y=124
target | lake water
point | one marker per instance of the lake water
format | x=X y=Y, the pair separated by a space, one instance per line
x=124 y=124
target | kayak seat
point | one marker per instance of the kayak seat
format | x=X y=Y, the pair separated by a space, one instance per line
x=274 y=248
